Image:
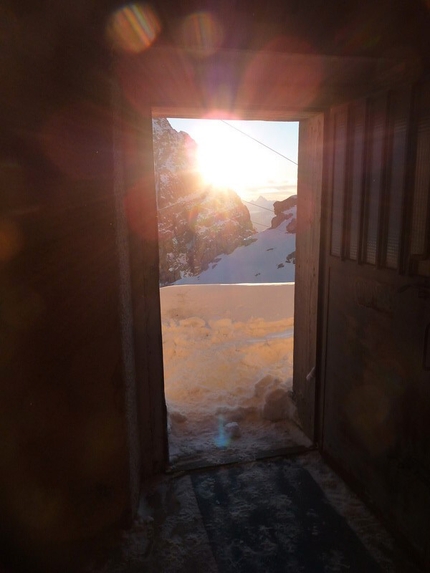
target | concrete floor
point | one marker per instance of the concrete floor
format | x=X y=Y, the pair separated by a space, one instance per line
x=169 y=534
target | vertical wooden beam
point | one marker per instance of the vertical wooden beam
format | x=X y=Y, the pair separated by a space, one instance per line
x=141 y=219
x=309 y=186
x=152 y=390
x=125 y=308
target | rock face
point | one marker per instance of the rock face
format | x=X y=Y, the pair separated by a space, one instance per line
x=282 y=206
x=196 y=222
x=285 y=211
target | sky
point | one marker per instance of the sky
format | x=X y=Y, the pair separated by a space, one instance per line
x=230 y=158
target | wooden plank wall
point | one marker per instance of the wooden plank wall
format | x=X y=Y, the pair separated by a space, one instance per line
x=376 y=311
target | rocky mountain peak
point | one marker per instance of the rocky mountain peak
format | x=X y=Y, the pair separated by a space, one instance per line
x=285 y=210
x=196 y=222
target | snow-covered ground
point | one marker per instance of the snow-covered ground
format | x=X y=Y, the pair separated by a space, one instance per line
x=262 y=260
x=228 y=359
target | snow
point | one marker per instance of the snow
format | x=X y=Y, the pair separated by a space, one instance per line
x=261 y=260
x=228 y=364
x=228 y=352
x=238 y=302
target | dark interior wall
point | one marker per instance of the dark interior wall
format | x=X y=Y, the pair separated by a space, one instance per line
x=140 y=233
x=68 y=453
x=375 y=368
x=334 y=27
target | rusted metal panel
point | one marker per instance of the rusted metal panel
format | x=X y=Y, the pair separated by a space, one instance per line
x=311 y=139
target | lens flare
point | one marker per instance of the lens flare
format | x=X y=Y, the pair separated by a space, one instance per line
x=222 y=440
x=264 y=84
x=202 y=34
x=133 y=28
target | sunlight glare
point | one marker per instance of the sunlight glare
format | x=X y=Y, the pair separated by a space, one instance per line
x=202 y=34
x=228 y=159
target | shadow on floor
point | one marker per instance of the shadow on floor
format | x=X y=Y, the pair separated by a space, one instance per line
x=281 y=515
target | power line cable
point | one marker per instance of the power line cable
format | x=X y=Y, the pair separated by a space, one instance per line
x=258 y=141
x=259 y=206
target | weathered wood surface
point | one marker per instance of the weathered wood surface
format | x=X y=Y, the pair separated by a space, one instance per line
x=255 y=85
x=311 y=139
x=141 y=216
x=376 y=402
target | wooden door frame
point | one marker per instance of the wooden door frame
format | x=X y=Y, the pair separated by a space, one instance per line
x=137 y=243
x=138 y=251
x=307 y=304
x=167 y=81
x=199 y=113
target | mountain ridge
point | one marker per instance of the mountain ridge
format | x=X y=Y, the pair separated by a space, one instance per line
x=196 y=222
x=268 y=257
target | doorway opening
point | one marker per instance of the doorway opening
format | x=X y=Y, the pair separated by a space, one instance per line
x=227 y=199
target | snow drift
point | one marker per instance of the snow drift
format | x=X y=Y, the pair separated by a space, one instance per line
x=228 y=359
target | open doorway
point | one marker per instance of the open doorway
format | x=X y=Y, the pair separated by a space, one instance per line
x=226 y=195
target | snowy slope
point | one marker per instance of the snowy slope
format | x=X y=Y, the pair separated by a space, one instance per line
x=228 y=357
x=260 y=261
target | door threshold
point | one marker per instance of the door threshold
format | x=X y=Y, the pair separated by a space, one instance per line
x=200 y=463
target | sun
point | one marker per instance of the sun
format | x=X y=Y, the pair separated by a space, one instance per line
x=225 y=159
x=217 y=166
